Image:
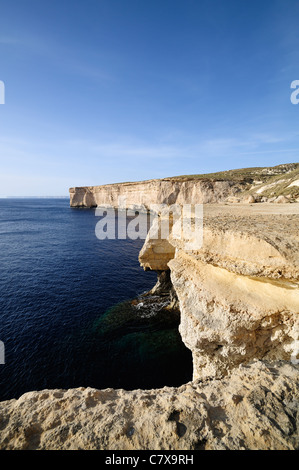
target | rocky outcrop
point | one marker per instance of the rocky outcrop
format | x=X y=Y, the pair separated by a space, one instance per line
x=238 y=294
x=255 y=407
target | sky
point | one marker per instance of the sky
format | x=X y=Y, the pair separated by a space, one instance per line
x=106 y=91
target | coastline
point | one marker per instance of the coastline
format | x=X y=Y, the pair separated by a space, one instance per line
x=238 y=300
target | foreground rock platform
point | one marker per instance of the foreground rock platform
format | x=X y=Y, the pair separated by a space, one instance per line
x=255 y=407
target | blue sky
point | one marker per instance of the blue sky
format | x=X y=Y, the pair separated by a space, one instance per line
x=103 y=91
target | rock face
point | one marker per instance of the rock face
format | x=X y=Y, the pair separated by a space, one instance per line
x=248 y=185
x=238 y=294
x=146 y=193
x=281 y=200
x=255 y=407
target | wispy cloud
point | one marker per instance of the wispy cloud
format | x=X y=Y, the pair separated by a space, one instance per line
x=120 y=148
x=60 y=55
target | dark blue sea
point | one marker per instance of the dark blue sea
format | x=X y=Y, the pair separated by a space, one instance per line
x=66 y=316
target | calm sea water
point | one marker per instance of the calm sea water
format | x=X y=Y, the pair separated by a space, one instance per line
x=66 y=319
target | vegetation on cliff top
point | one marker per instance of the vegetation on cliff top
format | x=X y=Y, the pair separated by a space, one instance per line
x=254 y=173
x=266 y=181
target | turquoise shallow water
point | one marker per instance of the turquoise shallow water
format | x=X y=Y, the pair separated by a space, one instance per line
x=66 y=319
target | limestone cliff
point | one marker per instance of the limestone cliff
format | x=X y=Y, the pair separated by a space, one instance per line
x=146 y=193
x=238 y=294
x=248 y=184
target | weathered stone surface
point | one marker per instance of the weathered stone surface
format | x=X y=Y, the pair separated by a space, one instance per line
x=255 y=407
x=147 y=193
x=228 y=319
x=238 y=294
x=281 y=200
x=232 y=186
x=249 y=199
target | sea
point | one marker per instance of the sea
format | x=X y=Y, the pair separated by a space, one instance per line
x=71 y=310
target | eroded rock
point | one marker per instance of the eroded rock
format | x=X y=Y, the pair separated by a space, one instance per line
x=254 y=407
x=238 y=294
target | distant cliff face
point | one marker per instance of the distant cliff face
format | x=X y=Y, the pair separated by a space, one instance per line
x=244 y=185
x=146 y=193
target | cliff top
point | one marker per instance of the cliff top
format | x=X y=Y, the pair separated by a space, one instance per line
x=280 y=180
x=275 y=224
x=249 y=239
x=240 y=174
